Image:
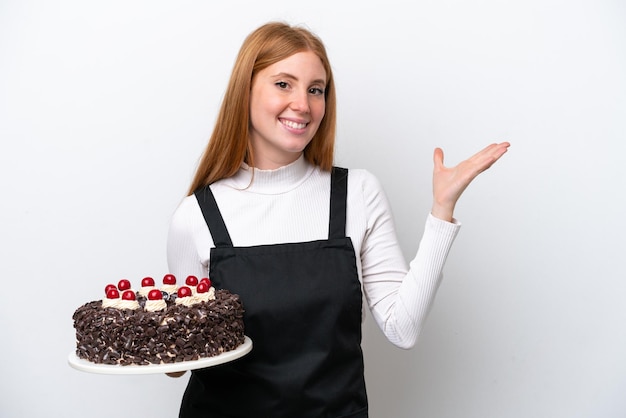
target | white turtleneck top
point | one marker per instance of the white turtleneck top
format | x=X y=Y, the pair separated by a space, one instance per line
x=291 y=204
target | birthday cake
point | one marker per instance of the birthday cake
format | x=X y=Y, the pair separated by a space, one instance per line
x=158 y=325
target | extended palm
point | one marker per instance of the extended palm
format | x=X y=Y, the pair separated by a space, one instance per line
x=450 y=182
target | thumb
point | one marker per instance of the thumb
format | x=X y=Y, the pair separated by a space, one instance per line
x=438 y=157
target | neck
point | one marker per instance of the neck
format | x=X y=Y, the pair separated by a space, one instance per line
x=271 y=181
x=276 y=162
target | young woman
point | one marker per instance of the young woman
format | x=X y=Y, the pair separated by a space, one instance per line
x=304 y=244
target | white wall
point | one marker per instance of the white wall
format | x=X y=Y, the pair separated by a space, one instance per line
x=106 y=106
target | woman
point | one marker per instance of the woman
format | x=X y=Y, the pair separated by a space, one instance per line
x=304 y=244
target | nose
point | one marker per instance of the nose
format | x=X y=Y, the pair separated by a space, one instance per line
x=300 y=102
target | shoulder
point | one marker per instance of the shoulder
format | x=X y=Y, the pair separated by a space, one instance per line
x=189 y=203
x=364 y=182
x=366 y=195
x=362 y=176
x=187 y=213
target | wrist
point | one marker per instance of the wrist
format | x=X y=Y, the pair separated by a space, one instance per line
x=442 y=212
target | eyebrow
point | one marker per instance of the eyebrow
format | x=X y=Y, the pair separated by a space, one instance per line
x=293 y=77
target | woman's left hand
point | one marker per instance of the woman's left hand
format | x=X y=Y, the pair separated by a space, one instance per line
x=449 y=183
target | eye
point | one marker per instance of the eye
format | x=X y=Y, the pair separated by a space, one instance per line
x=282 y=84
x=316 y=91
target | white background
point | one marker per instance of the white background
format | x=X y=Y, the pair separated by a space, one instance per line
x=105 y=108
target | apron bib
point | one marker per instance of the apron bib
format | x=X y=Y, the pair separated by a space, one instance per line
x=303 y=305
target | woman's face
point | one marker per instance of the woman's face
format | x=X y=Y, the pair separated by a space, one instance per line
x=287 y=105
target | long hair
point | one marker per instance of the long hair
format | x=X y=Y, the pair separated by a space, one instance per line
x=229 y=144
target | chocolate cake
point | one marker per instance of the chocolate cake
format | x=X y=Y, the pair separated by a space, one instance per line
x=158 y=327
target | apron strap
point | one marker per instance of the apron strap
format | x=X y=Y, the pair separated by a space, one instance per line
x=213 y=217
x=338 y=198
x=337 y=223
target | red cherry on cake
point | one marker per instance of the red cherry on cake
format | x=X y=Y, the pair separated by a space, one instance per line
x=206 y=280
x=169 y=279
x=191 y=281
x=123 y=284
x=128 y=295
x=184 y=291
x=109 y=287
x=147 y=282
x=155 y=294
x=112 y=293
x=203 y=287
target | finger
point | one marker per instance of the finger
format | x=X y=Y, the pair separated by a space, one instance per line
x=489 y=155
x=438 y=158
x=488 y=150
x=498 y=150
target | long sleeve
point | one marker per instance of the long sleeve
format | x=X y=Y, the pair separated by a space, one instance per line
x=400 y=298
x=188 y=241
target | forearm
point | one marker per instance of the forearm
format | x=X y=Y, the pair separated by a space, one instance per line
x=400 y=306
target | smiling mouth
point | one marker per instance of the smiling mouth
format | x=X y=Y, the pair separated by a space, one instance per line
x=293 y=125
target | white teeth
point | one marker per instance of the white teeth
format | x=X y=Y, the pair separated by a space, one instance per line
x=293 y=125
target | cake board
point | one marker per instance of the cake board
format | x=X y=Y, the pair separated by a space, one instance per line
x=89 y=367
